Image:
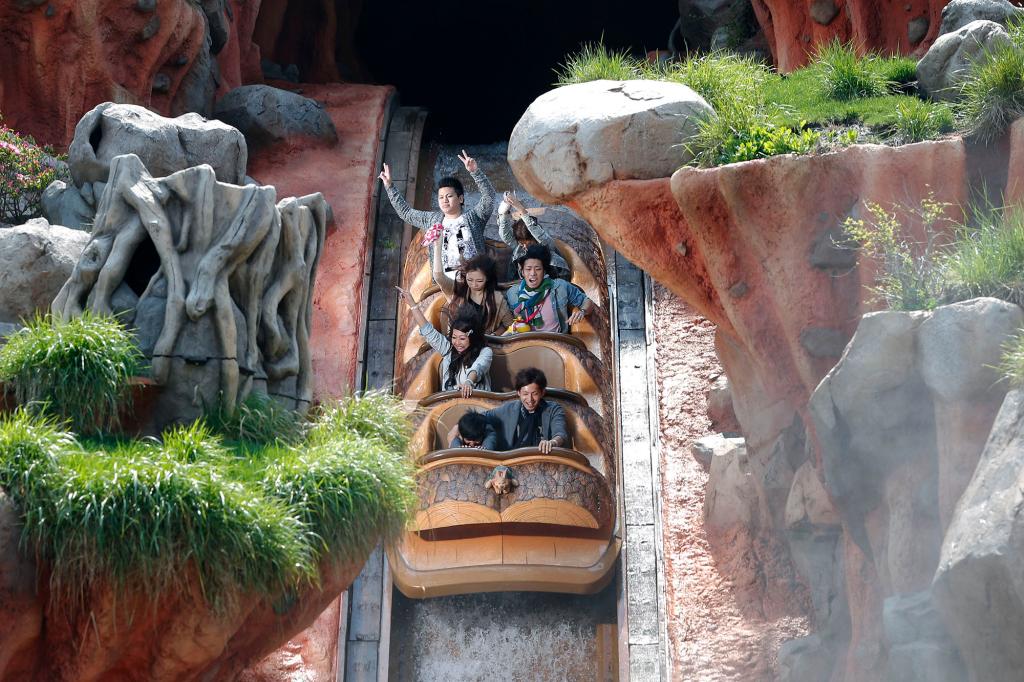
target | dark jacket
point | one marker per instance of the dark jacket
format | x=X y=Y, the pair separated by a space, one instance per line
x=505 y=417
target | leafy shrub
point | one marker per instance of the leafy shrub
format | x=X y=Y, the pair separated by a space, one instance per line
x=77 y=370
x=594 y=62
x=916 y=121
x=992 y=96
x=25 y=171
x=846 y=76
x=987 y=260
x=761 y=140
x=149 y=513
x=910 y=273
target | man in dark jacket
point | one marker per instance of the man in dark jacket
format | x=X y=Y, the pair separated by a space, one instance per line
x=532 y=421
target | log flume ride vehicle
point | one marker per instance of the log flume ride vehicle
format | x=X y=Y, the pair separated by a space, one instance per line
x=556 y=528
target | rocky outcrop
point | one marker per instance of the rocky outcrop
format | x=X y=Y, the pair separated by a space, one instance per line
x=959 y=13
x=165 y=145
x=793 y=30
x=35 y=261
x=948 y=62
x=267 y=115
x=977 y=585
x=584 y=135
x=126 y=635
x=900 y=423
x=59 y=59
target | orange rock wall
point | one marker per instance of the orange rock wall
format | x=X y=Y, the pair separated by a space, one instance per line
x=60 y=59
x=881 y=25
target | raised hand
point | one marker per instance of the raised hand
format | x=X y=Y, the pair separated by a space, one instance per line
x=407 y=297
x=385 y=176
x=468 y=161
x=512 y=199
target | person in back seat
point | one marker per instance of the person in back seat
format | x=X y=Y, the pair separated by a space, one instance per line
x=475 y=285
x=465 y=356
x=522 y=233
x=473 y=431
x=542 y=303
x=532 y=421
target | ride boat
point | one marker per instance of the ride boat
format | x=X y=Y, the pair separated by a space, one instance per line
x=491 y=521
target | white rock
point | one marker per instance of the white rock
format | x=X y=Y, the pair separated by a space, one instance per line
x=948 y=61
x=581 y=136
x=35 y=261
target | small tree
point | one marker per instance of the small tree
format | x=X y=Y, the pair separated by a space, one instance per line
x=911 y=272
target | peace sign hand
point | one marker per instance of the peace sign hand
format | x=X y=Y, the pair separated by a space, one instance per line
x=468 y=161
x=385 y=176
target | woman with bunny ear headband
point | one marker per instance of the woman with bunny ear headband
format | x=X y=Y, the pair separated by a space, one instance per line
x=459 y=234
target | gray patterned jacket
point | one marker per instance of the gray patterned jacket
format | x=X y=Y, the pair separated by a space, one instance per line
x=476 y=218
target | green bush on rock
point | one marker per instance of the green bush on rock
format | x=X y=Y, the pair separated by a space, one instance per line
x=992 y=96
x=78 y=370
x=151 y=514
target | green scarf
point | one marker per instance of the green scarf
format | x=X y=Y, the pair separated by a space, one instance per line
x=530 y=300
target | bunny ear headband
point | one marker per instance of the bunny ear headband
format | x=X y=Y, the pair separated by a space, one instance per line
x=540 y=210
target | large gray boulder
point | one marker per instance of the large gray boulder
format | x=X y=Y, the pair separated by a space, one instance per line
x=64 y=204
x=165 y=145
x=979 y=586
x=948 y=61
x=35 y=261
x=580 y=136
x=267 y=115
x=920 y=649
x=959 y=13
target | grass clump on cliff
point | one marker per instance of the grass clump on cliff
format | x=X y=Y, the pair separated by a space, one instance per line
x=1012 y=365
x=78 y=370
x=153 y=514
x=992 y=96
x=955 y=261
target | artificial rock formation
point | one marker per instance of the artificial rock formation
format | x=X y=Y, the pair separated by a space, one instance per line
x=164 y=145
x=60 y=59
x=793 y=30
x=267 y=115
x=215 y=278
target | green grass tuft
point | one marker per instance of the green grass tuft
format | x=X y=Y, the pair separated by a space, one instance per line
x=149 y=514
x=992 y=96
x=987 y=259
x=916 y=121
x=1012 y=365
x=257 y=420
x=846 y=75
x=594 y=62
x=78 y=370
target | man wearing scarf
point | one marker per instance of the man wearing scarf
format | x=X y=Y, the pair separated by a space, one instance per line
x=532 y=421
x=543 y=303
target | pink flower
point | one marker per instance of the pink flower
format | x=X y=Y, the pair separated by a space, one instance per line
x=431 y=235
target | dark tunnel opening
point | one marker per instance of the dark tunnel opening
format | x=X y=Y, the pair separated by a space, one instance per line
x=475 y=66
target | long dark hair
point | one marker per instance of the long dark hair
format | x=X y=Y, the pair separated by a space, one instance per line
x=460 y=295
x=467 y=322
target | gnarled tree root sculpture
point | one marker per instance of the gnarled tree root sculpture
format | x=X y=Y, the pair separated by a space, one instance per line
x=216 y=280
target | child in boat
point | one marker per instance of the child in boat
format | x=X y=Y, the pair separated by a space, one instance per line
x=458 y=234
x=475 y=286
x=542 y=303
x=523 y=232
x=473 y=431
x=465 y=357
